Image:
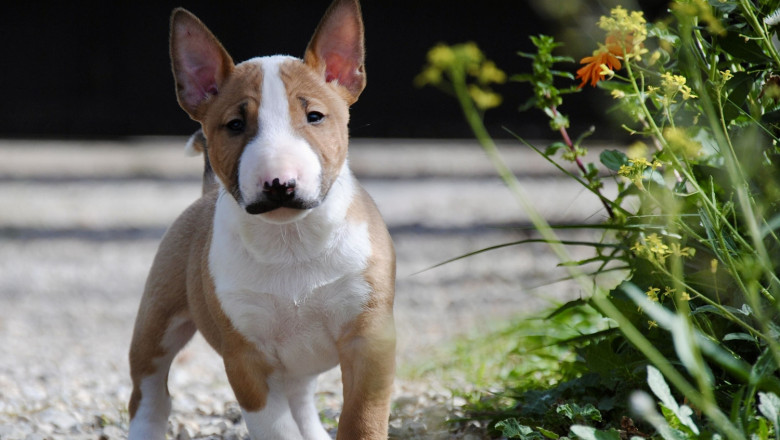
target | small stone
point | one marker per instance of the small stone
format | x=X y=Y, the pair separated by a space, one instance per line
x=231 y=435
x=58 y=419
x=184 y=434
x=405 y=402
x=112 y=432
x=233 y=413
x=415 y=427
x=211 y=430
x=459 y=402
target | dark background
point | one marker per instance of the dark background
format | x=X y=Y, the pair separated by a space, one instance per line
x=101 y=69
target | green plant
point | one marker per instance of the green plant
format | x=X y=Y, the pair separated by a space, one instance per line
x=695 y=219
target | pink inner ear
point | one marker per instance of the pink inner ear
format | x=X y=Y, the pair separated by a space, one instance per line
x=338 y=46
x=339 y=68
x=204 y=78
x=198 y=62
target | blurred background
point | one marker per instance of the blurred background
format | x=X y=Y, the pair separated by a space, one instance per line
x=101 y=68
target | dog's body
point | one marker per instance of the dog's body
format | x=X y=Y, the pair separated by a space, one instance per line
x=286 y=268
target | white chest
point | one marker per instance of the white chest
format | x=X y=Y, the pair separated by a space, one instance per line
x=290 y=289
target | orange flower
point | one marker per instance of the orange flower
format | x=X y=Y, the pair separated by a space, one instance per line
x=608 y=55
x=592 y=70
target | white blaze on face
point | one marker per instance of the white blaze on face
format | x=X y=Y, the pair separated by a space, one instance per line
x=277 y=152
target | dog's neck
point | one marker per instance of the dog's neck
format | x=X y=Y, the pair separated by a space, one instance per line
x=301 y=240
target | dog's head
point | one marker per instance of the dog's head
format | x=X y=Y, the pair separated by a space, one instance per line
x=276 y=126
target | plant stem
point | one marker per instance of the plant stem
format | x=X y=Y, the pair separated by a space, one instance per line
x=709 y=407
x=580 y=165
x=473 y=118
x=748 y=8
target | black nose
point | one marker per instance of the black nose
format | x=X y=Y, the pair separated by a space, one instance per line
x=279 y=192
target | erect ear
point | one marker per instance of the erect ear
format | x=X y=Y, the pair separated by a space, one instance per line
x=200 y=63
x=336 y=50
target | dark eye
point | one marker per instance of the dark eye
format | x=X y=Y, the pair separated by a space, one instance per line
x=314 y=117
x=236 y=125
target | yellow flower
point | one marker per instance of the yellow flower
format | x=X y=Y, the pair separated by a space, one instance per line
x=625 y=30
x=441 y=56
x=714 y=266
x=651 y=325
x=668 y=291
x=656 y=248
x=618 y=94
x=489 y=73
x=626 y=33
x=654 y=57
x=430 y=75
x=640 y=162
x=703 y=11
x=652 y=294
x=656 y=244
x=682 y=252
x=636 y=170
x=680 y=143
x=685 y=297
x=674 y=84
x=484 y=99
x=637 y=149
x=606 y=71
x=470 y=51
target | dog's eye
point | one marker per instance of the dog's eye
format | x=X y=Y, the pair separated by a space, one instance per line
x=236 y=125
x=314 y=117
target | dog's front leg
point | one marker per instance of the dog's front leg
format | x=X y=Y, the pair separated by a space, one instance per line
x=367 y=355
x=260 y=393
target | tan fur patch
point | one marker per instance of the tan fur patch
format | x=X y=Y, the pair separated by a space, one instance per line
x=306 y=92
x=180 y=285
x=367 y=348
x=239 y=98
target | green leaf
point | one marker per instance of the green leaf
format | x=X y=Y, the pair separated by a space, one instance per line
x=656 y=382
x=664 y=34
x=739 y=337
x=591 y=433
x=521 y=77
x=772 y=117
x=659 y=387
x=554 y=147
x=764 y=368
x=512 y=428
x=575 y=412
x=563 y=74
x=769 y=405
x=549 y=434
x=557 y=120
x=613 y=159
x=743 y=49
x=738 y=89
x=579 y=302
x=585 y=134
x=532 y=101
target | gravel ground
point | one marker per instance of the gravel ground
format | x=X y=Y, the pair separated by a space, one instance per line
x=80 y=223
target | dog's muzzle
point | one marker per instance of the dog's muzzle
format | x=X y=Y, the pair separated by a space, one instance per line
x=279 y=195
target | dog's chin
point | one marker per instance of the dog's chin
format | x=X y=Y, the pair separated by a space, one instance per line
x=280 y=216
x=281 y=213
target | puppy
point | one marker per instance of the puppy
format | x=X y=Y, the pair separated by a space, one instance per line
x=284 y=265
